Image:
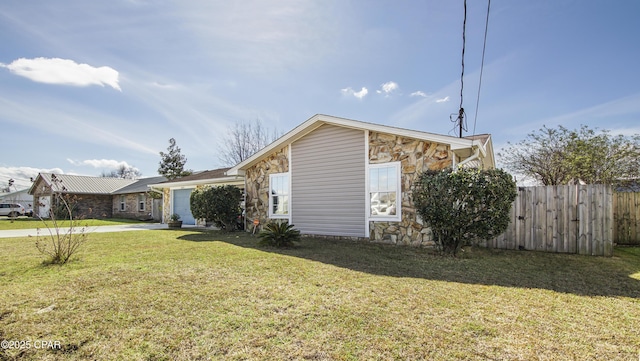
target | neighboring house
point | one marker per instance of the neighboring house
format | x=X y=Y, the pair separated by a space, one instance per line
x=22 y=197
x=137 y=201
x=94 y=197
x=344 y=178
x=176 y=194
x=627 y=185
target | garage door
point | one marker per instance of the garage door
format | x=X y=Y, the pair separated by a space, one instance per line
x=182 y=206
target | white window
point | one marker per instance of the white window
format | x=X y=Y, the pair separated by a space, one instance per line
x=279 y=195
x=141 y=202
x=384 y=192
x=123 y=204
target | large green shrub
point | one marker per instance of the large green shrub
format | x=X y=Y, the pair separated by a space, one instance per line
x=278 y=235
x=220 y=205
x=465 y=205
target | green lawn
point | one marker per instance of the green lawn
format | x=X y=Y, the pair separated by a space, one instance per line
x=185 y=295
x=29 y=223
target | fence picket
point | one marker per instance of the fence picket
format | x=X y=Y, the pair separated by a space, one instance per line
x=626 y=218
x=568 y=219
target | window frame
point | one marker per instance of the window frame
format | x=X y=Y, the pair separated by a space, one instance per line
x=287 y=215
x=142 y=200
x=123 y=203
x=397 y=166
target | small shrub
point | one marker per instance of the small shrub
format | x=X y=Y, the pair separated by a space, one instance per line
x=279 y=235
x=61 y=243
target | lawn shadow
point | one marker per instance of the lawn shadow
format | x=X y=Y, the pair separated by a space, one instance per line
x=582 y=275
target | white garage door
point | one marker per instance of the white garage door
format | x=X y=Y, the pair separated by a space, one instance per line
x=182 y=206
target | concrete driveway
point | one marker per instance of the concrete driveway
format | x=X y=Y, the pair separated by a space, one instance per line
x=96 y=229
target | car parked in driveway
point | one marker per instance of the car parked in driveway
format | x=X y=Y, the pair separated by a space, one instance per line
x=11 y=209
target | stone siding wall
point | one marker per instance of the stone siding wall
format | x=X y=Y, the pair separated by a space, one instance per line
x=257 y=182
x=415 y=156
x=166 y=204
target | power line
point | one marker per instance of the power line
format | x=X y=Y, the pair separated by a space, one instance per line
x=484 y=46
x=460 y=119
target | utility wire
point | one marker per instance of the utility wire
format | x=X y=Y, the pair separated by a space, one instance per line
x=460 y=120
x=484 y=46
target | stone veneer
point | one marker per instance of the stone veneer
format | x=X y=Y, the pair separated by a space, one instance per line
x=257 y=183
x=415 y=157
x=166 y=205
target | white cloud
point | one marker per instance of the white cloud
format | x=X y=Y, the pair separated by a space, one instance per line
x=388 y=88
x=63 y=71
x=360 y=94
x=419 y=93
x=22 y=175
x=100 y=163
x=443 y=100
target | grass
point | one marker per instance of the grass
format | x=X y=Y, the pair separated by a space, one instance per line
x=32 y=223
x=186 y=295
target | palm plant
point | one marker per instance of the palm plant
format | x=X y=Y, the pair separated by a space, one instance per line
x=279 y=235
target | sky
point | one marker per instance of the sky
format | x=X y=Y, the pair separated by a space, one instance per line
x=87 y=86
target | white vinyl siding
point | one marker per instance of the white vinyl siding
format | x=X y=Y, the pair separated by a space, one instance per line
x=328 y=182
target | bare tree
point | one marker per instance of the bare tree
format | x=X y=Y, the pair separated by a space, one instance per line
x=60 y=243
x=124 y=172
x=243 y=140
x=559 y=156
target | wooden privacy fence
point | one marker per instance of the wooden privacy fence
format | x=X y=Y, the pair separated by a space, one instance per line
x=626 y=215
x=563 y=219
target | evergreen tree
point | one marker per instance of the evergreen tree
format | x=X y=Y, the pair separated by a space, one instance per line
x=172 y=163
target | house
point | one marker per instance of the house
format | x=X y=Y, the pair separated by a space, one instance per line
x=137 y=201
x=345 y=178
x=176 y=194
x=93 y=197
x=22 y=197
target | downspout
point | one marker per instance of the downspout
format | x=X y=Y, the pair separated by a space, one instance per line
x=474 y=156
x=453 y=163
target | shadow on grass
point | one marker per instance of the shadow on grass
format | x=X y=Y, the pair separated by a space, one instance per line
x=582 y=275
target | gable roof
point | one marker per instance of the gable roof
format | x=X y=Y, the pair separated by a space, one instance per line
x=79 y=184
x=320 y=119
x=214 y=176
x=140 y=185
x=82 y=184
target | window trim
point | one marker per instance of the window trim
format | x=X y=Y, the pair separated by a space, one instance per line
x=288 y=194
x=398 y=174
x=142 y=201
x=123 y=203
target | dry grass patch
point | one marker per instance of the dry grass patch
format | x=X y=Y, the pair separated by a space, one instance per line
x=183 y=295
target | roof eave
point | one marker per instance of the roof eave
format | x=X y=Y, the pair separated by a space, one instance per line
x=233 y=179
x=320 y=119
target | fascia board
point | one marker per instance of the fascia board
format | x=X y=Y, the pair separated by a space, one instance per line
x=226 y=180
x=320 y=119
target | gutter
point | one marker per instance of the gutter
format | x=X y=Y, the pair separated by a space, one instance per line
x=474 y=156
